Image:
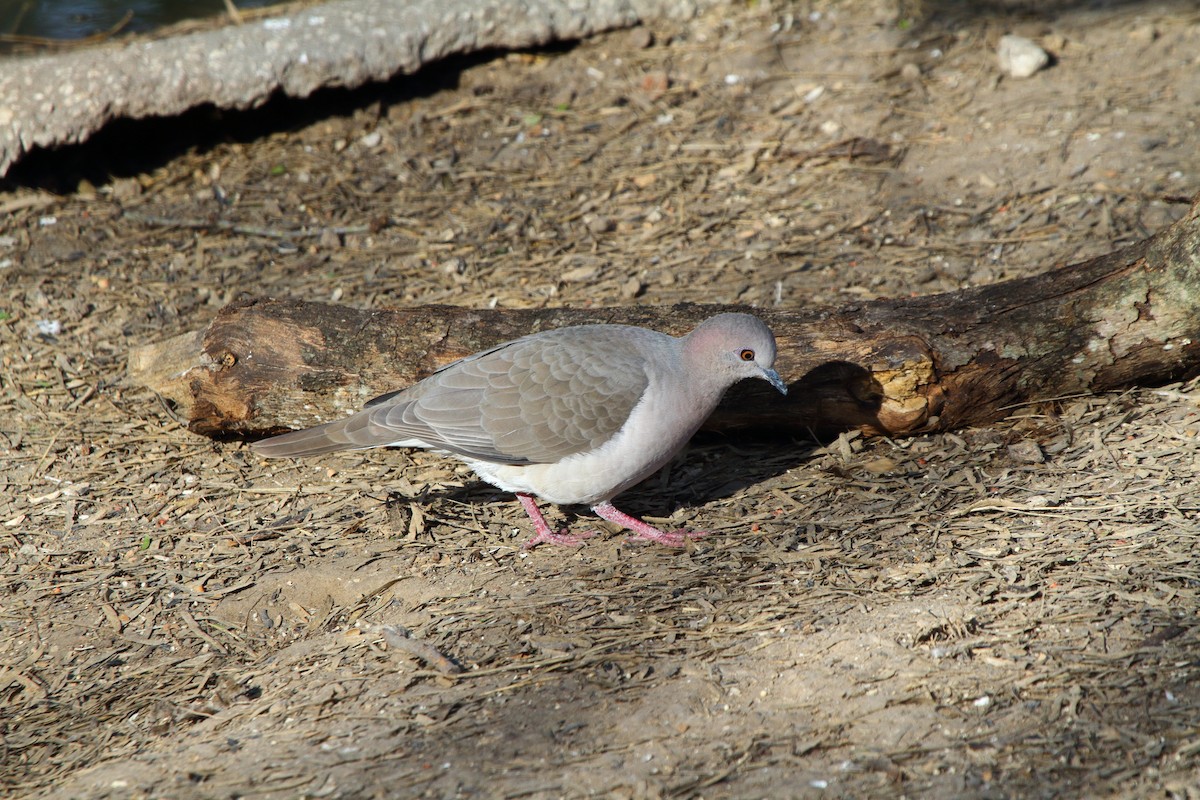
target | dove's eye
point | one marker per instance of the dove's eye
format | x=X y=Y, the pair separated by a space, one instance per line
x=747 y=355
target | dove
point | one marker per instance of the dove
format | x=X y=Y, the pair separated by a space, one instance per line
x=571 y=416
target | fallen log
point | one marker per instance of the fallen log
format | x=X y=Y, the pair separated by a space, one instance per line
x=1131 y=317
x=50 y=101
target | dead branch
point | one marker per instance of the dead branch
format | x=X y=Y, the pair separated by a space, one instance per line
x=1131 y=317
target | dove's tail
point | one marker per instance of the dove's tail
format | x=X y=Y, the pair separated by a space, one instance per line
x=359 y=431
x=326 y=438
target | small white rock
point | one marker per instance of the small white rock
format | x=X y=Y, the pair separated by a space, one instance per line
x=1144 y=34
x=1020 y=57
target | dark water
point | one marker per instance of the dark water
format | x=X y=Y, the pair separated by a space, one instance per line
x=76 y=19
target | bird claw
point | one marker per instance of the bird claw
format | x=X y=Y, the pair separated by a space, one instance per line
x=560 y=538
x=543 y=533
x=667 y=538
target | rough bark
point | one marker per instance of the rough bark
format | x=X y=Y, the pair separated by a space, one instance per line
x=53 y=100
x=1130 y=317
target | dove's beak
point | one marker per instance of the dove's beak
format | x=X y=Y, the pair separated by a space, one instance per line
x=772 y=377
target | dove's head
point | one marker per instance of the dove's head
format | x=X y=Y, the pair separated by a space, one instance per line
x=730 y=347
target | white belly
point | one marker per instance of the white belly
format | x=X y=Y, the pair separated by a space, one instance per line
x=635 y=453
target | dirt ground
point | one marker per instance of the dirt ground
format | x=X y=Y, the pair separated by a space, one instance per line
x=991 y=613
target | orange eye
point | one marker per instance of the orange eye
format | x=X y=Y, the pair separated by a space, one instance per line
x=747 y=355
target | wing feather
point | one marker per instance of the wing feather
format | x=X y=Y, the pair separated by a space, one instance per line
x=537 y=399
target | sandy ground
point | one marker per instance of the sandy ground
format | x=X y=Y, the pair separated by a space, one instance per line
x=1003 y=612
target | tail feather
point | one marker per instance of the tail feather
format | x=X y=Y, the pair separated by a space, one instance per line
x=308 y=442
x=357 y=432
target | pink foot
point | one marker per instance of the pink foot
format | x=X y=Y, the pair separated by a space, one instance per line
x=543 y=532
x=642 y=531
x=669 y=538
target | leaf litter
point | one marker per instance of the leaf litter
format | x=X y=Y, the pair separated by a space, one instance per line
x=987 y=613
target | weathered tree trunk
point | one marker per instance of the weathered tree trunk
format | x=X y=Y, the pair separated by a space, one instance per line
x=890 y=366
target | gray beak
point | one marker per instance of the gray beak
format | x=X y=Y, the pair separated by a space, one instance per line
x=772 y=377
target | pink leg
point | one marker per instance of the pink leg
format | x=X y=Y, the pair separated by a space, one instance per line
x=643 y=531
x=544 y=534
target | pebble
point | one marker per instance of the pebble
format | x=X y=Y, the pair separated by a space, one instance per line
x=925 y=275
x=598 y=224
x=125 y=189
x=656 y=83
x=1054 y=42
x=329 y=240
x=1020 y=57
x=49 y=327
x=640 y=38
x=562 y=97
x=578 y=274
x=981 y=277
x=1026 y=452
x=1143 y=34
x=454 y=266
